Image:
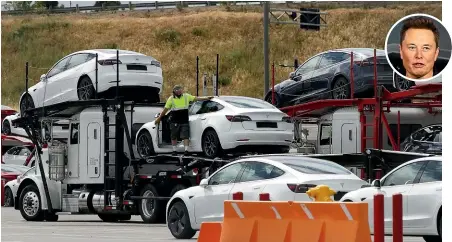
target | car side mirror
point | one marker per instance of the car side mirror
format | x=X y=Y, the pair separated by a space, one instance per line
x=204 y=182
x=156 y=115
x=292 y=75
x=43 y=77
x=376 y=183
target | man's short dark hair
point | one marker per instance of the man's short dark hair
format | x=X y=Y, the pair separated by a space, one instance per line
x=419 y=22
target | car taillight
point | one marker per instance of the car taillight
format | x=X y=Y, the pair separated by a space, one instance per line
x=238 y=118
x=108 y=62
x=300 y=188
x=287 y=119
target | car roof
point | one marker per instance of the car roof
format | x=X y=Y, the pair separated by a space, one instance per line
x=108 y=52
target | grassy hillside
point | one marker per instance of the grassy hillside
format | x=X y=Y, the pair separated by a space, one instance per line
x=177 y=37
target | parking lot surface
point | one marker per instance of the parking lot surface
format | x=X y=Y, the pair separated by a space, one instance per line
x=79 y=228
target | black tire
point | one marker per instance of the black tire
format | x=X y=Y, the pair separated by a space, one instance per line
x=340 y=89
x=211 y=147
x=50 y=217
x=6 y=127
x=277 y=103
x=149 y=209
x=145 y=147
x=177 y=188
x=432 y=238
x=85 y=89
x=9 y=199
x=109 y=218
x=179 y=221
x=26 y=103
x=30 y=199
x=401 y=83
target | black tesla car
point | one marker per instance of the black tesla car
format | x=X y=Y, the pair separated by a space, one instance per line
x=327 y=76
x=427 y=140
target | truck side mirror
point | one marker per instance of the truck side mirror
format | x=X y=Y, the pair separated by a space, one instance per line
x=376 y=183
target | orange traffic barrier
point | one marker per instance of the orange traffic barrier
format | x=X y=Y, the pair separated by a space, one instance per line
x=210 y=232
x=265 y=221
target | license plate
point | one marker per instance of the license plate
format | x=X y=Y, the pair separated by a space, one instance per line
x=266 y=125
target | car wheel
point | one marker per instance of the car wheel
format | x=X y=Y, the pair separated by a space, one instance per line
x=401 y=83
x=6 y=127
x=85 y=89
x=211 y=146
x=30 y=204
x=268 y=99
x=179 y=222
x=9 y=200
x=25 y=104
x=149 y=209
x=145 y=146
x=341 y=89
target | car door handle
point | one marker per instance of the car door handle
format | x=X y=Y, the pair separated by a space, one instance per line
x=203 y=118
x=256 y=188
x=439 y=189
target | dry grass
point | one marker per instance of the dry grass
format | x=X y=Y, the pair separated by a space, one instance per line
x=235 y=34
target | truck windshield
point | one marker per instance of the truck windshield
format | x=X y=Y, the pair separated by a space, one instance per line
x=312 y=166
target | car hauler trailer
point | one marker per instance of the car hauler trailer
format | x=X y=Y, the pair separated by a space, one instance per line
x=95 y=171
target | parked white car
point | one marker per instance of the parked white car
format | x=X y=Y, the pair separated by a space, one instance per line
x=222 y=124
x=60 y=128
x=420 y=183
x=16 y=155
x=12 y=186
x=74 y=78
x=284 y=176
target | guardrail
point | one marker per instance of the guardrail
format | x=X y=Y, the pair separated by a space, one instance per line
x=126 y=7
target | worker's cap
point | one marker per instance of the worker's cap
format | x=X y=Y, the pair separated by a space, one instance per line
x=177 y=88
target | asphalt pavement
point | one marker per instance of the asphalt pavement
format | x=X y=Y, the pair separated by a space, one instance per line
x=79 y=228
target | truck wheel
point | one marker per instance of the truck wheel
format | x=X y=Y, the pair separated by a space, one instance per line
x=179 y=221
x=51 y=217
x=109 y=218
x=149 y=209
x=177 y=188
x=30 y=204
x=9 y=199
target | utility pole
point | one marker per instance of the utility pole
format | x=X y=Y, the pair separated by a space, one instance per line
x=305 y=18
x=266 y=58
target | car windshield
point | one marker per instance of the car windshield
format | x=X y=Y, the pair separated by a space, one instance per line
x=309 y=165
x=242 y=102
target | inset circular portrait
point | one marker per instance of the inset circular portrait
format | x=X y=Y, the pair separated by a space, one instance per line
x=418 y=48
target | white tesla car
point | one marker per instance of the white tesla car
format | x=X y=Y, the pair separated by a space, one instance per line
x=74 y=78
x=284 y=176
x=420 y=183
x=222 y=124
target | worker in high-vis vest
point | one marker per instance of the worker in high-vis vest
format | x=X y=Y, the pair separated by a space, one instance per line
x=178 y=103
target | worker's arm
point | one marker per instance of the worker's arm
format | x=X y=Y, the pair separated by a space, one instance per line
x=165 y=110
x=200 y=98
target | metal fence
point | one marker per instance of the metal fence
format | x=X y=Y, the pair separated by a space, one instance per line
x=129 y=7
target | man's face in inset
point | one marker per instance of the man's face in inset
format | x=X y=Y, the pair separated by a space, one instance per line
x=419 y=53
